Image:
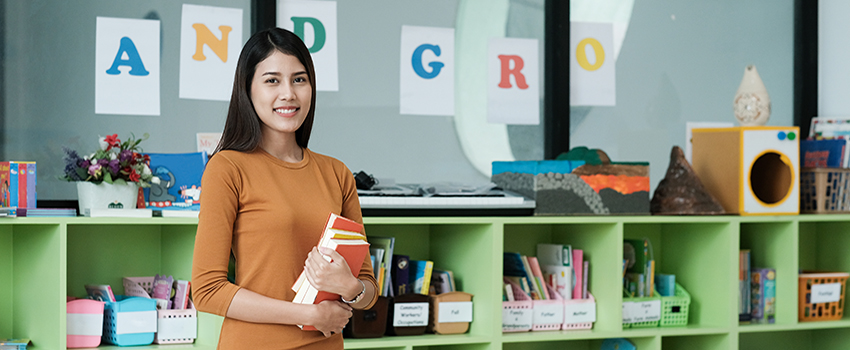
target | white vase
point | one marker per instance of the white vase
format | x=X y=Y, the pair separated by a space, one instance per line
x=752 y=103
x=107 y=196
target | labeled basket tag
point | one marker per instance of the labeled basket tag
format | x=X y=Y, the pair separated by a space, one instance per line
x=579 y=312
x=135 y=322
x=455 y=311
x=641 y=311
x=410 y=315
x=516 y=319
x=826 y=293
x=548 y=313
x=85 y=324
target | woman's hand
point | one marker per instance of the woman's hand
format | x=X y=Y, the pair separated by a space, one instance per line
x=331 y=317
x=331 y=276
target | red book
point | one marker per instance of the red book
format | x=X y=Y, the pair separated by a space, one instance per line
x=337 y=223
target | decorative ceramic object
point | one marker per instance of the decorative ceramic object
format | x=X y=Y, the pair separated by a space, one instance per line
x=107 y=196
x=752 y=103
x=681 y=192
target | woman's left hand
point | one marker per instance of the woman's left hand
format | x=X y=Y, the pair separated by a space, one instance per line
x=329 y=276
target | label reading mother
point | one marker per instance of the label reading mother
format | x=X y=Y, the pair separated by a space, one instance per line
x=580 y=312
x=455 y=311
x=410 y=315
x=826 y=293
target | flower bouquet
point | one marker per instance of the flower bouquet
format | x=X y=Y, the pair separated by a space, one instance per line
x=116 y=167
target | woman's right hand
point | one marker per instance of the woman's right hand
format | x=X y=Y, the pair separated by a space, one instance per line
x=331 y=317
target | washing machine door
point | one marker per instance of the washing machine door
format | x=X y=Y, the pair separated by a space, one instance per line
x=771 y=159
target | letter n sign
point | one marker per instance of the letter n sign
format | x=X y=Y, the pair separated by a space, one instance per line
x=513 y=91
x=210 y=41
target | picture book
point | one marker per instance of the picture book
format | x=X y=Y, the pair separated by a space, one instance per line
x=354 y=249
x=383 y=271
x=13 y=184
x=5 y=193
x=538 y=277
x=177 y=181
x=578 y=262
x=823 y=153
x=560 y=278
x=554 y=254
x=420 y=275
x=336 y=226
x=513 y=266
x=100 y=292
x=207 y=141
x=441 y=281
x=14 y=343
x=744 y=288
x=400 y=274
x=763 y=308
x=32 y=195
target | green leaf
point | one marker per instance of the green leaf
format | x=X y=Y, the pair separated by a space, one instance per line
x=82 y=173
x=107 y=177
x=120 y=181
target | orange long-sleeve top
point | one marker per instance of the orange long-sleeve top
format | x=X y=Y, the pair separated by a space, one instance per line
x=270 y=214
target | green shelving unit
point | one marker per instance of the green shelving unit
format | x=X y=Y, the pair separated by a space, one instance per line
x=42 y=260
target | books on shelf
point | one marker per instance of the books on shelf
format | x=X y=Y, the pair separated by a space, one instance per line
x=344 y=236
x=383 y=272
x=47 y=212
x=763 y=305
x=420 y=275
x=400 y=274
x=744 y=289
x=100 y=292
x=17 y=184
x=118 y=213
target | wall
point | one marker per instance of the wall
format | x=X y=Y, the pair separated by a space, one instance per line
x=680 y=61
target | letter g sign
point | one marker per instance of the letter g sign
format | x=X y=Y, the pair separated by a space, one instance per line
x=416 y=61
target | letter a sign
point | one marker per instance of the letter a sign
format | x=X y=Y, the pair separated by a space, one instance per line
x=210 y=41
x=126 y=66
x=315 y=23
x=513 y=81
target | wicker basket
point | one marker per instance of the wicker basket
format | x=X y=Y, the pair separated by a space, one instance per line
x=824 y=190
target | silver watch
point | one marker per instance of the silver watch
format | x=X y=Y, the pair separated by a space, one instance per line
x=359 y=295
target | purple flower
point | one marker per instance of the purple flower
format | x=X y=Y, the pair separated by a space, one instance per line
x=94 y=170
x=125 y=156
x=72 y=162
x=113 y=166
x=103 y=162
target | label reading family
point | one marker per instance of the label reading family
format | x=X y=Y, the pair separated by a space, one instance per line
x=516 y=319
x=645 y=311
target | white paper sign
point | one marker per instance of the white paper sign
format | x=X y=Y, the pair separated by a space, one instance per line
x=177 y=327
x=455 y=311
x=548 y=313
x=826 y=293
x=126 y=66
x=643 y=311
x=135 y=322
x=210 y=42
x=410 y=315
x=315 y=23
x=84 y=324
x=579 y=312
x=517 y=319
x=208 y=141
x=513 y=81
x=427 y=71
x=592 y=75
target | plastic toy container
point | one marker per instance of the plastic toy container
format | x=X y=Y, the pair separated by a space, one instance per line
x=674 y=309
x=821 y=296
x=642 y=312
x=824 y=190
x=517 y=315
x=579 y=313
x=129 y=321
x=84 y=323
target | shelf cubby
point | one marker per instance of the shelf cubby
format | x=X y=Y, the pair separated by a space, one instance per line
x=46 y=259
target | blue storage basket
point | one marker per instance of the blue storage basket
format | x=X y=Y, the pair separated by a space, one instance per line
x=129 y=321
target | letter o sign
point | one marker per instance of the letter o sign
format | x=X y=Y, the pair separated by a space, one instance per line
x=581 y=55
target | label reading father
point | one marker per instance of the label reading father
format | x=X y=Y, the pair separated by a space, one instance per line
x=548 y=313
x=642 y=311
x=826 y=293
x=410 y=315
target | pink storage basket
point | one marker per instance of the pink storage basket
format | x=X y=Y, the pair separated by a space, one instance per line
x=173 y=326
x=84 y=323
x=553 y=308
x=517 y=315
x=569 y=323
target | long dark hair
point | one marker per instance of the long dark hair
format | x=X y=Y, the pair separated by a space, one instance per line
x=242 y=129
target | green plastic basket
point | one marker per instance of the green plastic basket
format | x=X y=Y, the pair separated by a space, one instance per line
x=647 y=323
x=674 y=309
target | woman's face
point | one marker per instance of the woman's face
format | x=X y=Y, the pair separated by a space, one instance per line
x=281 y=94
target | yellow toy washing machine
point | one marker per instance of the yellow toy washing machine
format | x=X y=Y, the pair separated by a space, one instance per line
x=751 y=170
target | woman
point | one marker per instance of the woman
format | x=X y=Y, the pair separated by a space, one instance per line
x=266 y=198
